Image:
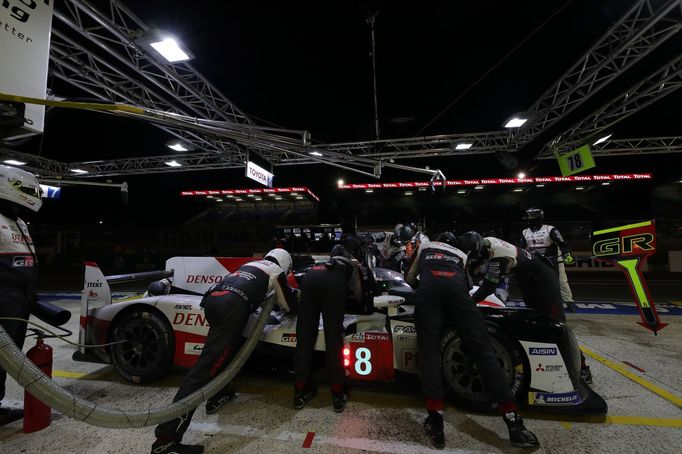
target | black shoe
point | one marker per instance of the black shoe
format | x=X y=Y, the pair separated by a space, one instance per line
x=586 y=375
x=519 y=436
x=8 y=415
x=339 y=401
x=433 y=426
x=303 y=396
x=174 y=447
x=217 y=402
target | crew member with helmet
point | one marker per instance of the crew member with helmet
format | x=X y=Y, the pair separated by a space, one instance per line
x=20 y=196
x=324 y=290
x=227 y=307
x=394 y=248
x=443 y=294
x=533 y=272
x=546 y=239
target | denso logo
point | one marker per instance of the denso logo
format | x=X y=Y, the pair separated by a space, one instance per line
x=189 y=319
x=203 y=279
x=543 y=351
x=96 y=284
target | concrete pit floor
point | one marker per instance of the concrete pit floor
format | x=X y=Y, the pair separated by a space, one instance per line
x=645 y=412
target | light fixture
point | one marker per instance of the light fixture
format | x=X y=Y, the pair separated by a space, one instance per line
x=238 y=199
x=79 y=171
x=229 y=196
x=294 y=193
x=315 y=153
x=278 y=198
x=521 y=175
x=408 y=192
x=258 y=199
x=218 y=200
x=271 y=195
x=462 y=191
x=606 y=183
x=369 y=191
x=250 y=195
x=518 y=189
x=170 y=50
x=539 y=185
x=101 y=222
x=209 y=196
x=515 y=122
x=478 y=188
x=463 y=146
x=579 y=188
x=422 y=189
x=299 y=198
x=173 y=164
x=14 y=162
x=602 y=139
x=340 y=182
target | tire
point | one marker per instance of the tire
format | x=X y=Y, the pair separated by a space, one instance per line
x=463 y=381
x=147 y=352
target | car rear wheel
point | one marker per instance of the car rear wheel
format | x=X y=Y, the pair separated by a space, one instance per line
x=146 y=346
x=463 y=381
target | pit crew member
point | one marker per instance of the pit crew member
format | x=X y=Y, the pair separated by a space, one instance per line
x=443 y=294
x=19 y=196
x=546 y=239
x=324 y=290
x=227 y=306
x=533 y=272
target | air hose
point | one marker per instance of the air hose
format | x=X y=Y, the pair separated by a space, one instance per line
x=42 y=387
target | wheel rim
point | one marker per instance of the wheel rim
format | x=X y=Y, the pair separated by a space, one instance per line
x=462 y=374
x=142 y=349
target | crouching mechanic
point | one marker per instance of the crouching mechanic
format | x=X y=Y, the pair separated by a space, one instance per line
x=324 y=290
x=534 y=273
x=227 y=307
x=443 y=294
x=19 y=196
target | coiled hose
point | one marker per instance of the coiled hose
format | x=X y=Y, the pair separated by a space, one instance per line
x=42 y=387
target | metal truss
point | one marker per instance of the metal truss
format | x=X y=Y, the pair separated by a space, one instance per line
x=661 y=83
x=98 y=50
x=647 y=145
x=37 y=164
x=642 y=29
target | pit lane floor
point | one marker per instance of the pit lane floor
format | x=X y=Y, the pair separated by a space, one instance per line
x=645 y=411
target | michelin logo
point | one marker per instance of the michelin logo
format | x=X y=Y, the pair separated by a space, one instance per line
x=553 y=399
x=543 y=351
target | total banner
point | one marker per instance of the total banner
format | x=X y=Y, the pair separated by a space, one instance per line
x=25 y=28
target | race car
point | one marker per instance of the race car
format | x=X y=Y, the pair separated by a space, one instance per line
x=152 y=333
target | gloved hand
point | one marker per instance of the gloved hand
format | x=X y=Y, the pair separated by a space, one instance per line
x=569 y=259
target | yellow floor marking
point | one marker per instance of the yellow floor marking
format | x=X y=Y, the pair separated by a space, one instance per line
x=94 y=375
x=636 y=378
x=644 y=421
x=566 y=425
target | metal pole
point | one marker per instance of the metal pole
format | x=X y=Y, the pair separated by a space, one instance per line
x=370 y=21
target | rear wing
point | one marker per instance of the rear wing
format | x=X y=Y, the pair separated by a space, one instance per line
x=97 y=293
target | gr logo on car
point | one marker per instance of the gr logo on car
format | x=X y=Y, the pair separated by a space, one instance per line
x=289 y=337
x=543 y=351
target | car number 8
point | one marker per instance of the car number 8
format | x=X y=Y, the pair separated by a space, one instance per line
x=362 y=364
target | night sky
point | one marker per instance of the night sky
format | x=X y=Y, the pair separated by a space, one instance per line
x=306 y=65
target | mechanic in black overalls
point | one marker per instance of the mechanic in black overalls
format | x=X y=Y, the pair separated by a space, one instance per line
x=324 y=290
x=443 y=295
x=227 y=307
x=534 y=273
x=19 y=196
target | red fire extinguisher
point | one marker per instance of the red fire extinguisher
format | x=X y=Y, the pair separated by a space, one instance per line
x=37 y=415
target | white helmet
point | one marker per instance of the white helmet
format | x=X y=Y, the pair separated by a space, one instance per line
x=282 y=257
x=20 y=187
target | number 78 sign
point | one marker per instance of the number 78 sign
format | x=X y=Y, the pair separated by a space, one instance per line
x=576 y=161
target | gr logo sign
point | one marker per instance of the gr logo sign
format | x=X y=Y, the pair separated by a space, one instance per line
x=637 y=244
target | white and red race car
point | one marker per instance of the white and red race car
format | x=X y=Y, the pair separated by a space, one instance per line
x=153 y=333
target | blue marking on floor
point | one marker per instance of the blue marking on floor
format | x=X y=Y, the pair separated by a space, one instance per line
x=611 y=308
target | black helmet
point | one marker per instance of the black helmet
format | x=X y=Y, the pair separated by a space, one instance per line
x=353 y=245
x=448 y=238
x=474 y=245
x=407 y=232
x=534 y=217
x=340 y=251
